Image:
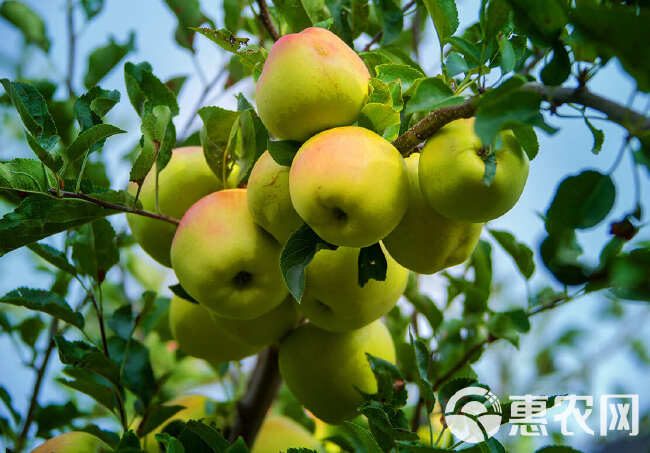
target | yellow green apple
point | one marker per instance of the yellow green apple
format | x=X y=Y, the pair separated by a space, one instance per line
x=223 y=259
x=262 y=331
x=311 y=81
x=349 y=185
x=279 y=433
x=268 y=198
x=184 y=180
x=73 y=442
x=199 y=336
x=333 y=299
x=326 y=370
x=452 y=167
x=425 y=241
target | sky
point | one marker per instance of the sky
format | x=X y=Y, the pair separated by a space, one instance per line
x=565 y=153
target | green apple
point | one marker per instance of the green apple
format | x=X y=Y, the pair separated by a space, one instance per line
x=268 y=198
x=349 y=185
x=311 y=81
x=196 y=408
x=452 y=167
x=74 y=442
x=333 y=299
x=425 y=241
x=184 y=180
x=262 y=331
x=223 y=259
x=199 y=336
x=279 y=433
x=326 y=370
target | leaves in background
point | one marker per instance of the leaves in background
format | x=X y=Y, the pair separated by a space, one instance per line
x=430 y=94
x=86 y=140
x=296 y=256
x=445 y=18
x=560 y=252
x=509 y=325
x=189 y=15
x=53 y=256
x=158 y=414
x=301 y=14
x=219 y=126
x=599 y=136
x=283 y=151
x=391 y=18
x=137 y=374
x=527 y=138
x=94 y=248
x=146 y=91
x=27 y=21
x=391 y=72
x=558 y=69
x=251 y=56
x=476 y=295
x=26 y=175
x=371 y=264
x=92 y=7
x=83 y=355
x=103 y=59
x=520 y=253
x=44 y=301
x=91 y=384
x=91 y=107
x=54 y=416
x=542 y=21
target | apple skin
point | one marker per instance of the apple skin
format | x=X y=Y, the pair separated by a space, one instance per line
x=425 y=241
x=333 y=299
x=226 y=261
x=279 y=433
x=326 y=370
x=268 y=198
x=199 y=336
x=184 y=180
x=311 y=81
x=73 y=442
x=262 y=331
x=451 y=174
x=349 y=185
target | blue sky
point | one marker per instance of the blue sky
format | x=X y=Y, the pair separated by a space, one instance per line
x=567 y=152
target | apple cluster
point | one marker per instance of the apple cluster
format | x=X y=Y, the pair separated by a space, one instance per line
x=351 y=187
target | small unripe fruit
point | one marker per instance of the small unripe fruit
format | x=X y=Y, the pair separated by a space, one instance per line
x=184 y=180
x=268 y=198
x=326 y=370
x=224 y=260
x=349 y=185
x=451 y=173
x=73 y=442
x=311 y=81
x=425 y=241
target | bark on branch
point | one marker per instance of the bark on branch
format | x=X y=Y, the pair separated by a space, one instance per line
x=265 y=17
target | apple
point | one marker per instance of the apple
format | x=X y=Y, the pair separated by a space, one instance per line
x=349 y=185
x=446 y=439
x=311 y=81
x=197 y=407
x=184 y=180
x=74 y=442
x=279 y=433
x=199 y=336
x=223 y=259
x=268 y=198
x=326 y=370
x=452 y=167
x=333 y=299
x=262 y=331
x=425 y=241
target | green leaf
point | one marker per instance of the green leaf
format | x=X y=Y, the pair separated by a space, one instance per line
x=90 y=108
x=207 y=434
x=171 y=444
x=560 y=252
x=92 y=7
x=252 y=56
x=367 y=440
x=496 y=18
x=254 y=141
x=178 y=290
x=301 y=14
x=520 y=253
x=527 y=138
x=53 y=256
x=26 y=175
x=90 y=384
x=619 y=31
x=122 y=321
x=372 y=264
x=283 y=151
x=189 y=15
x=630 y=275
x=599 y=137
x=471 y=51
x=509 y=325
x=129 y=443
x=30 y=329
x=54 y=416
x=481 y=262
x=392 y=19
x=86 y=139
x=445 y=18
x=296 y=255
x=158 y=414
x=558 y=69
x=219 y=126
x=85 y=356
x=456 y=64
x=109 y=437
x=424 y=363
x=102 y=60
x=94 y=248
x=146 y=91
x=430 y=94
x=27 y=21
x=379 y=92
x=44 y=301
x=137 y=375
x=5 y=397
x=406 y=74
x=542 y=21
x=508 y=57
x=581 y=201
x=380 y=118
x=557 y=449
x=423 y=303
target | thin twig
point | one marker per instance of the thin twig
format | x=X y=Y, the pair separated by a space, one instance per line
x=380 y=33
x=72 y=43
x=206 y=90
x=113 y=206
x=265 y=17
x=461 y=363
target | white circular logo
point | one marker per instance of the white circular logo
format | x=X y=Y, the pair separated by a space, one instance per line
x=473 y=414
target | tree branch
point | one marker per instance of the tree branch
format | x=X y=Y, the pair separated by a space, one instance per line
x=72 y=39
x=263 y=385
x=206 y=90
x=265 y=17
x=631 y=120
x=113 y=206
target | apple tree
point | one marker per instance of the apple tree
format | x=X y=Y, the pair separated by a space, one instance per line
x=294 y=221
